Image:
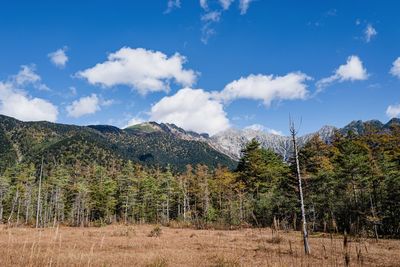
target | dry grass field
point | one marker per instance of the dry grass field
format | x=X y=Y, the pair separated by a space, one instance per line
x=149 y=245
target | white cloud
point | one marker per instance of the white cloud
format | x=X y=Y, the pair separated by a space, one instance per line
x=255 y=127
x=244 y=6
x=26 y=75
x=266 y=88
x=395 y=70
x=144 y=70
x=172 y=4
x=59 y=57
x=87 y=105
x=393 y=111
x=244 y=117
x=275 y=132
x=18 y=104
x=191 y=109
x=261 y=128
x=369 y=33
x=225 y=4
x=107 y=102
x=23 y=107
x=72 y=90
x=214 y=13
x=204 y=4
x=133 y=121
x=213 y=16
x=353 y=70
x=207 y=31
x=83 y=106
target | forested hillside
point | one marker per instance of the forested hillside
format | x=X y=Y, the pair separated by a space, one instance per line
x=351 y=184
x=59 y=144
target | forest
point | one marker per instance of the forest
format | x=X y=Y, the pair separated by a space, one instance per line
x=351 y=184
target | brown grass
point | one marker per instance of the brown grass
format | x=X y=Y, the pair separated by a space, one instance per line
x=118 y=245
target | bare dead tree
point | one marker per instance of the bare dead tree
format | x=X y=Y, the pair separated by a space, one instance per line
x=293 y=133
x=374 y=219
x=39 y=191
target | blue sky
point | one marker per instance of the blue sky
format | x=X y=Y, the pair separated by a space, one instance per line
x=203 y=65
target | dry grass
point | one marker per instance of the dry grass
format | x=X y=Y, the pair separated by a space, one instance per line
x=119 y=245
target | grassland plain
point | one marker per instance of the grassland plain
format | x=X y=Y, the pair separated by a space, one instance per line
x=151 y=245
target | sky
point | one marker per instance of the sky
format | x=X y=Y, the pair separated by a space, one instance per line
x=204 y=65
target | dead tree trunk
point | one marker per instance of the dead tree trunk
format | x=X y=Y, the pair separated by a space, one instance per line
x=39 y=191
x=303 y=213
x=374 y=218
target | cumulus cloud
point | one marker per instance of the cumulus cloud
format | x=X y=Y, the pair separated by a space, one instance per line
x=244 y=6
x=393 y=111
x=261 y=128
x=143 y=70
x=353 y=70
x=191 y=109
x=395 y=70
x=369 y=33
x=266 y=88
x=87 y=105
x=26 y=75
x=20 y=105
x=59 y=57
x=201 y=111
x=17 y=103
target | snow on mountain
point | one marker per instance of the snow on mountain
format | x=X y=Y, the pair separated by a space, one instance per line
x=232 y=141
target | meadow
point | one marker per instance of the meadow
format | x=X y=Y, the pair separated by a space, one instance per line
x=152 y=245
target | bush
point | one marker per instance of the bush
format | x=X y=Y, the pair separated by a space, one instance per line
x=156 y=232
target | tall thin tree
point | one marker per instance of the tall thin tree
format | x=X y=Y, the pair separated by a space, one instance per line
x=293 y=133
x=39 y=192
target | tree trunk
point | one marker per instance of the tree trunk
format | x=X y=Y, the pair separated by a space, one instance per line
x=13 y=206
x=38 y=200
x=126 y=208
x=374 y=219
x=303 y=213
x=1 y=207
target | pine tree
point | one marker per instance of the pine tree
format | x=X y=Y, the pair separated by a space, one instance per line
x=166 y=194
x=102 y=195
x=5 y=189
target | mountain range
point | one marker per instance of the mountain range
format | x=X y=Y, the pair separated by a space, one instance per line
x=149 y=143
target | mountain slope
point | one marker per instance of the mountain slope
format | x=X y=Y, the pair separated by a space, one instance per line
x=149 y=143
x=232 y=141
x=168 y=144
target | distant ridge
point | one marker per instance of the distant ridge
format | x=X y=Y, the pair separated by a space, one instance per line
x=150 y=143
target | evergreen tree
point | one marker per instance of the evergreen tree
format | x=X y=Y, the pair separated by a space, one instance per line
x=102 y=195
